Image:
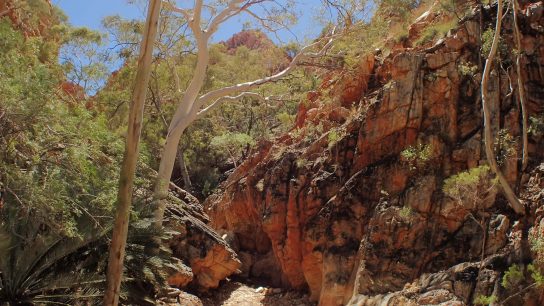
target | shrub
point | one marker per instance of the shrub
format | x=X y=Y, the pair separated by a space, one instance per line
x=301 y=162
x=471 y=189
x=435 y=31
x=406 y=213
x=466 y=69
x=513 y=277
x=333 y=137
x=536 y=241
x=286 y=120
x=536 y=126
x=416 y=157
x=505 y=146
x=487 y=42
x=233 y=143
x=313 y=132
x=485 y=300
x=536 y=275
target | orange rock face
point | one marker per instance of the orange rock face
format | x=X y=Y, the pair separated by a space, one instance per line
x=333 y=208
x=207 y=257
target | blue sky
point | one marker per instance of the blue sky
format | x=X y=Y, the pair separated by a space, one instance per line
x=90 y=13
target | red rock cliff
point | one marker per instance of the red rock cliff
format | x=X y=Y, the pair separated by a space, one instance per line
x=331 y=206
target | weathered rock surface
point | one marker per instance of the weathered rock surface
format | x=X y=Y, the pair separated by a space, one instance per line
x=208 y=257
x=333 y=208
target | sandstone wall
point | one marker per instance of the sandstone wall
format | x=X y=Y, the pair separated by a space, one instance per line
x=330 y=213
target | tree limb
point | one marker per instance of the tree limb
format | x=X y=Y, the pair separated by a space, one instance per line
x=521 y=88
x=488 y=135
x=220 y=101
x=303 y=54
x=173 y=8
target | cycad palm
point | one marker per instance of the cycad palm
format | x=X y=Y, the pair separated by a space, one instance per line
x=34 y=265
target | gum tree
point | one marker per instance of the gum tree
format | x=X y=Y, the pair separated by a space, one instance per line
x=128 y=168
x=488 y=133
x=193 y=104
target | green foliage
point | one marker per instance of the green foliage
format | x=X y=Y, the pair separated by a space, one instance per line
x=471 y=188
x=406 y=213
x=361 y=39
x=513 y=277
x=487 y=42
x=398 y=10
x=505 y=146
x=416 y=157
x=286 y=120
x=149 y=270
x=57 y=160
x=536 y=275
x=435 y=31
x=233 y=143
x=206 y=165
x=83 y=60
x=455 y=8
x=466 y=69
x=333 y=137
x=301 y=162
x=485 y=299
x=57 y=177
x=38 y=265
x=365 y=34
x=536 y=240
x=518 y=278
x=313 y=131
x=402 y=36
x=536 y=126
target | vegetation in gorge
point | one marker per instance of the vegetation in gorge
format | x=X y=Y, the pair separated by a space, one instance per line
x=63 y=122
x=58 y=168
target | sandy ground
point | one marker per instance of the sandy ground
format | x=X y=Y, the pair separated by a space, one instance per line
x=239 y=294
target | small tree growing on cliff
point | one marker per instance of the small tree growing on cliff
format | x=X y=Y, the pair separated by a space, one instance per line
x=234 y=144
x=474 y=190
x=488 y=133
x=194 y=105
x=128 y=168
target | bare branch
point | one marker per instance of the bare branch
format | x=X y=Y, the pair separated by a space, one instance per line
x=192 y=19
x=265 y=22
x=220 y=101
x=231 y=10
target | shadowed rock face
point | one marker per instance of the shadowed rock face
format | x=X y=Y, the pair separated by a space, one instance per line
x=207 y=256
x=339 y=212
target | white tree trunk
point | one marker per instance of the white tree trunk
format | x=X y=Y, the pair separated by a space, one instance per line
x=187 y=185
x=124 y=198
x=521 y=88
x=166 y=167
x=192 y=106
x=488 y=135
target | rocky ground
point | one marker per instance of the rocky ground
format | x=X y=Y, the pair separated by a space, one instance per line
x=239 y=294
x=234 y=293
